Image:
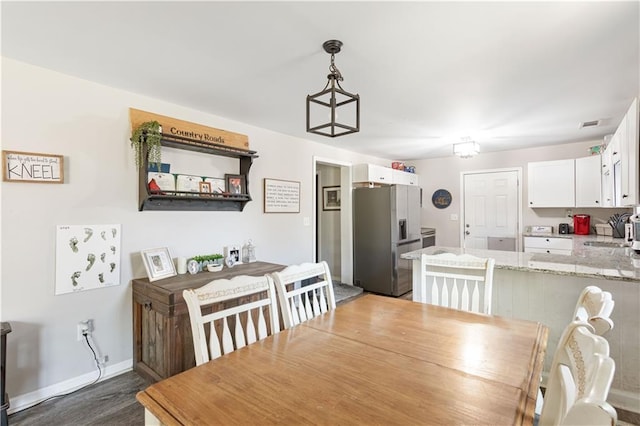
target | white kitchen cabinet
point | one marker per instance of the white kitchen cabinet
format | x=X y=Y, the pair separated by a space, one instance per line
x=549 y=245
x=551 y=183
x=629 y=141
x=620 y=186
x=607 y=178
x=588 y=181
x=372 y=173
x=401 y=177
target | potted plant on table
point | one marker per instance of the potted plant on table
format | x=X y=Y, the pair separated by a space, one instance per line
x=209 y=259
x=148 y=133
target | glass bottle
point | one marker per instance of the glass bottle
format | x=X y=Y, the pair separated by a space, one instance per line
x=249 y=252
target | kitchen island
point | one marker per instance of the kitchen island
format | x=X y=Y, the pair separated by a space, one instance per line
x=545 y=287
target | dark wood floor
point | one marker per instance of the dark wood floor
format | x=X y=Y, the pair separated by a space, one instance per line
x=111 y=402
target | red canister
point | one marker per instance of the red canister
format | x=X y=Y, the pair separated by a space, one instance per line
x=581 y=224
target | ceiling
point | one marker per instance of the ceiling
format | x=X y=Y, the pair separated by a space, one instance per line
x=509 y=75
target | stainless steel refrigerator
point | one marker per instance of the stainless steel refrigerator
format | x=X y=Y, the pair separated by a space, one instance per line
x=386 y=224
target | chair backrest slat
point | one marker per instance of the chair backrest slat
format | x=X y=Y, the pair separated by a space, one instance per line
x=457 y=281
x=227 y=299
x=304 y=291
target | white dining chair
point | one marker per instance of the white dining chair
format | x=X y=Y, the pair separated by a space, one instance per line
x=304 y=291
x=223 y=305
x=595 y=307
x=462 y=281
x=579 y=379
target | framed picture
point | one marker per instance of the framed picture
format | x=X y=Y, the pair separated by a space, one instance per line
x=330 y=198
x=32 y=167
x=158 y=263
x=233 y=252
x=281 y=196
x=217 y=185
x=205 y=187
x=235 y=184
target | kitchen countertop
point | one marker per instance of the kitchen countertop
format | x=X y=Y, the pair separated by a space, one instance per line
x=615 y=263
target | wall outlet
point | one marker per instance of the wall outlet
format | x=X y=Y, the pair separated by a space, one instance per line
x=103 y=360
x=83 y=327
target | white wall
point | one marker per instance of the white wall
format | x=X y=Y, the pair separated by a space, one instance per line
x=444 y=173
x=48 y=112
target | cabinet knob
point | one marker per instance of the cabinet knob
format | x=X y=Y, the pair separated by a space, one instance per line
x=147 y=305
x=597 y=202
x=548 y=250
x=547 y=241
x=625 y=195
x=530 y=202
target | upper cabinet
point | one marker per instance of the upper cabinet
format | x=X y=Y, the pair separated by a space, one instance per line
x=551 y=183
x=620 y=163
x=379 y=174
x=588 y=181
x=401 y=177
x=609 y=180
x=372 y=173
x=606 y=179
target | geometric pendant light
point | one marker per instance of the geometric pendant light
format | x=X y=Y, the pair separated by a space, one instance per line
x=333 y=111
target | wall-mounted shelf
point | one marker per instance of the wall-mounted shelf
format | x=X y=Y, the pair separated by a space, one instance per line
x=176 y=200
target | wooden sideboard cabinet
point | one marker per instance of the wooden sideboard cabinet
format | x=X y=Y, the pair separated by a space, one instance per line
x=162 y=341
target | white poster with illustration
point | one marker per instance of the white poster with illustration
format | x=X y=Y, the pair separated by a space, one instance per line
x=87 y=257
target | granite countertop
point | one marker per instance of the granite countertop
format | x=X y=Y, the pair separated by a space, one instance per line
x=616 y=263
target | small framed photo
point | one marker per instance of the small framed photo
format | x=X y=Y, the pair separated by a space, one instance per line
x=235 y=184
x=205 y=187
x=233 y=252
x=330 y=198
x=158 y=263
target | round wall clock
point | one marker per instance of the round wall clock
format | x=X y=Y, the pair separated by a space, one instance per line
x=193 y=267
x=441 y=198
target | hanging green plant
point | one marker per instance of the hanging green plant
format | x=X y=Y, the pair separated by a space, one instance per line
x=149 y=133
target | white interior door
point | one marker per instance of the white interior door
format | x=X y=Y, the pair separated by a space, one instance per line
x=491 y=210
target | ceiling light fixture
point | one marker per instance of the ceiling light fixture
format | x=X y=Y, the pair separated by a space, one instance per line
x=466 y=149
x=324 y=104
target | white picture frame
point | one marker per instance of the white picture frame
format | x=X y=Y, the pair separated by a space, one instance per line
x=158 y=263
x=235 y=251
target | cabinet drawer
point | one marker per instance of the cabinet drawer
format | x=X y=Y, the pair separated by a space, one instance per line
x=548 y=251
x=548 y=243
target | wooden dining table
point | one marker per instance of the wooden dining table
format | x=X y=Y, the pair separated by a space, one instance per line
x=375 y=360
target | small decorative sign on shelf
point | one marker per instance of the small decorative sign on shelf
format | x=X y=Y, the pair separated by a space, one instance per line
x=186 y=129
x=32 y=167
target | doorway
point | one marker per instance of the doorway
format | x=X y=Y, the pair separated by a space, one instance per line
x=491 y=209
x=332 y=218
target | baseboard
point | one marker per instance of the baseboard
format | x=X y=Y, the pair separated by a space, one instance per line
x=625 y=400
x=21 y=402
